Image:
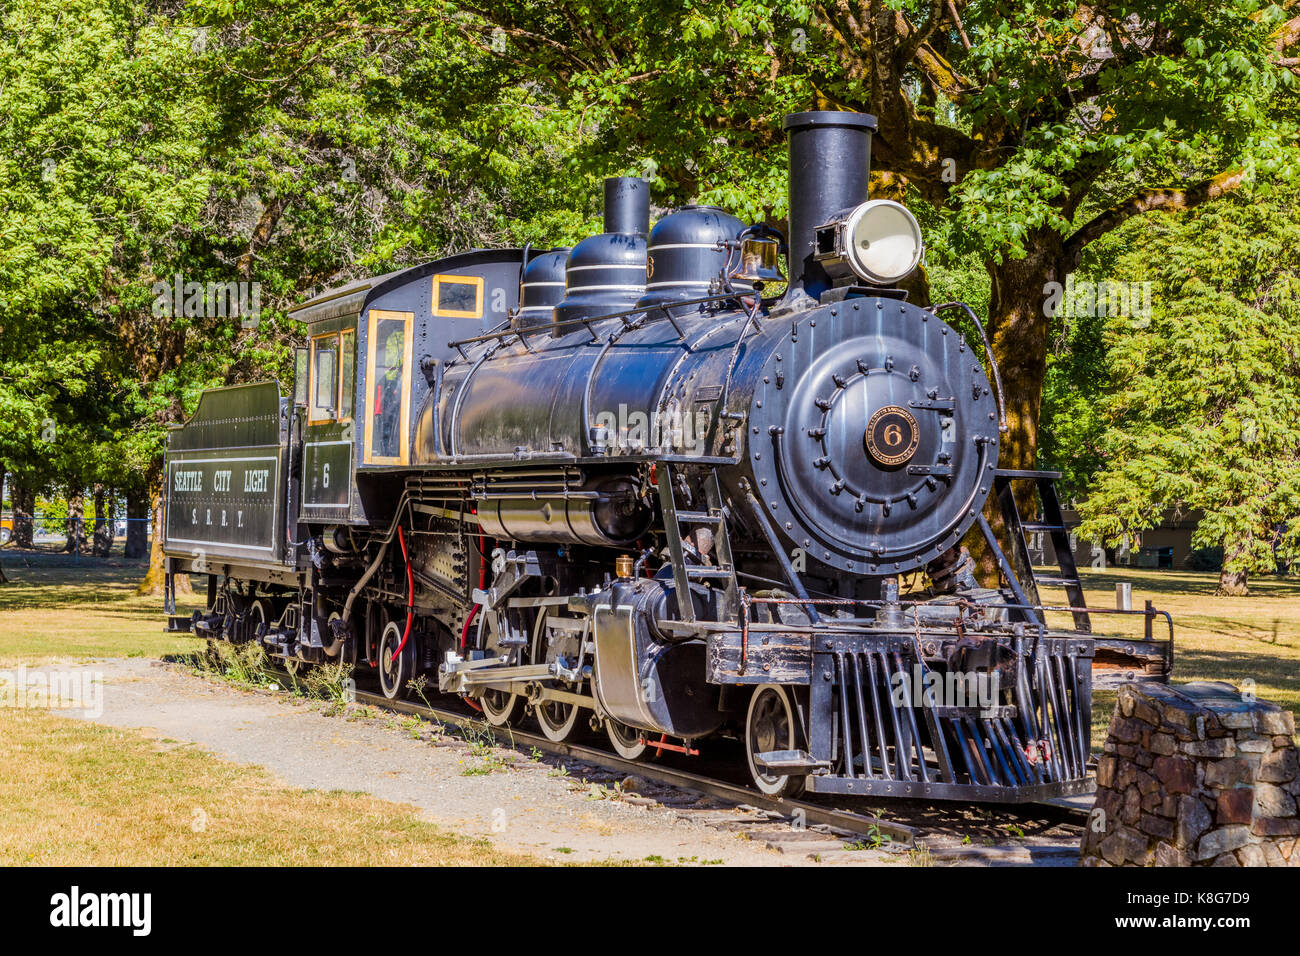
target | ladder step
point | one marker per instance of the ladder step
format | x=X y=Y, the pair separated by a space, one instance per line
x=699 y=571
x=687 y=517
x=1041 y=526
x=1051 y=579
x=1025 y=475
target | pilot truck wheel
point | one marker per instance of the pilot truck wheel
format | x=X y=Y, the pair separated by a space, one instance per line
x=770 y=725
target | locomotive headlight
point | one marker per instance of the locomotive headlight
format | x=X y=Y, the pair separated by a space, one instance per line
x=879 y=241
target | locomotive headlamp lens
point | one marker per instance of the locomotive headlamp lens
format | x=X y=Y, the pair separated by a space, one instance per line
x=882 y=241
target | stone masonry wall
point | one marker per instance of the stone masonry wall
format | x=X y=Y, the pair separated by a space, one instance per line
x=1195 y=775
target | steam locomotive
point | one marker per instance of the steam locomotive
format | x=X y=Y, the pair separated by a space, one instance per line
x=619 y=489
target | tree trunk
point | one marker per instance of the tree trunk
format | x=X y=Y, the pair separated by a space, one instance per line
x=76 y=521
x=1018 y=328
x=102 y=545
x=137 y=529
x=24 y=499
x=1232 y=583
x=153 y=578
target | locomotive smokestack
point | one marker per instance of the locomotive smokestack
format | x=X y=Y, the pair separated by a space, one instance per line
x=830 y=162
x=627 y=206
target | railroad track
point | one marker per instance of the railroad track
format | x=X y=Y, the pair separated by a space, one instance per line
x=1032 y=834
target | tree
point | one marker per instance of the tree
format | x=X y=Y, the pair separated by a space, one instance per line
x=1036 y=128
x=1203 y=407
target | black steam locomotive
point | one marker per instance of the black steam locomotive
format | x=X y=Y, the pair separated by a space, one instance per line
x=618 y=488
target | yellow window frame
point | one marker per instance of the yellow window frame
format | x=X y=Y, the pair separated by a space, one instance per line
x=316 y=346
x=342 y=403
x=372 y=349
x=475 y=281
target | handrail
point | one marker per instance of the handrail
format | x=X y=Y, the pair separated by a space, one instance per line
x=662 y=307
x=988 y=353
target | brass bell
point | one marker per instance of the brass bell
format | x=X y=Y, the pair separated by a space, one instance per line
x=760 y=262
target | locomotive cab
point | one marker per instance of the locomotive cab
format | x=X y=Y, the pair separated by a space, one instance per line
x=376 y=350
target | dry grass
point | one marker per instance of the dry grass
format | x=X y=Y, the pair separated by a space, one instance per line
x=75 y=793
x=1254 y=638
x=52 y=609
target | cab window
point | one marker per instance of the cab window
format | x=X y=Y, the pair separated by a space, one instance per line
x=458 y=297
x=333 y=376
x=348 y=372
x=324 y=378
x=388 y=387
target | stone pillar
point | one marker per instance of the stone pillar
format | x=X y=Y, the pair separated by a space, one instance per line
x=1195 y=775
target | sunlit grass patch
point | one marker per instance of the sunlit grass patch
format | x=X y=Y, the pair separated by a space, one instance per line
x=75 y=793
x=1254 y=638
x=53 y=611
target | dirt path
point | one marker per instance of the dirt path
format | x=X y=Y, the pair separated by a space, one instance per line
x=528 y=806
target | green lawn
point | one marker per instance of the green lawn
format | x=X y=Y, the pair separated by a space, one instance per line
x=54 y=608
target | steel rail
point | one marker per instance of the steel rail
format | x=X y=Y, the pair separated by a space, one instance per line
x=813 y=814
